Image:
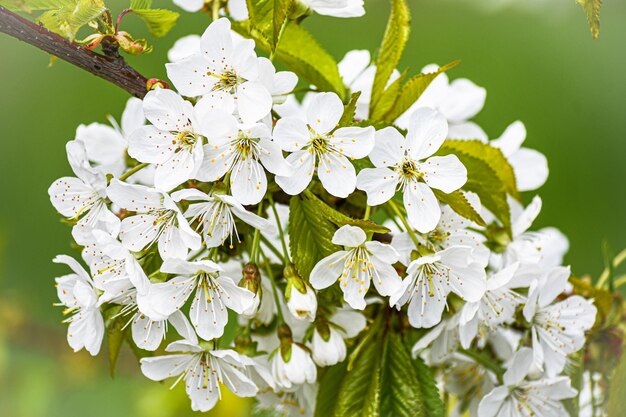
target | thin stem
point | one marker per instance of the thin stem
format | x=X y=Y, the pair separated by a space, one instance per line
x=215 y=10
x=392 y=204
x=270 y=274
x=254 y=253
x=119 y=18
x=368 y=211
x=617 y=261
x=131 y=171
x=271 y=247
x=281 y=233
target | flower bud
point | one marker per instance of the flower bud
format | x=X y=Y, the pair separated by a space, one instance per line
x=327 y=345
x=251 y=280
x=130 y=45
x=154 y=83
x=301 y=299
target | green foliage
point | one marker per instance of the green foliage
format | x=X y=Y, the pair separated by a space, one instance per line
x=298 y=50
x=388 y=98
x=457 y=202
x=409 y=93
x=281 y=12
x=490 y=184
x=116 y=333
x=67 y=17
x=492 y=156
x=349 y=111
x=339 y=219
x=310 y=235
x=140 y=4
x=592 y=11
x=617 y=390
x=159 y=21
x=383 y=381
x=360 y=387
x=391 y=48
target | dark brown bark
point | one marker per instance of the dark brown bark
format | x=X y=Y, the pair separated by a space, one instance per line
x=111 y=67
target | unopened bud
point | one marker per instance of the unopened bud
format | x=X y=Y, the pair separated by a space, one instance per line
x=251 y=278
x=130 y=45
x=154 y=83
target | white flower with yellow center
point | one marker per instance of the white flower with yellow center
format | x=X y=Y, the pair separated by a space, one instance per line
x=203 y=370
x=214 y=294
x=316 y=143
x=225 y=73
x=215 y=215
x=244 y=153
x=356 y=267
x=431 y=278
x=406 y=164
x=157 y=220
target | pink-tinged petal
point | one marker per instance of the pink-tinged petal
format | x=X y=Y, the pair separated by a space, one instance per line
x=427 y=131
x=445 y=173
x=324 y=112
x=379 y=184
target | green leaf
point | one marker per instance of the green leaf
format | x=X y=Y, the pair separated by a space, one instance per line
x=159 y=21
x=411 y=91
x=388 y=98
x=350 y=110
x=575 y=371
x=281 y=11
x=140 y=4
x=430 y=393
x=33 y=5
x=484 y=181
x=457 y=202
x=339 y=219
x=116 y=334
x=330 y=384
x=69 y=16
x=592 y=11
x=401 y=395
x=360 y=389
x=492 y=156
x=298 y=50
x=617 y=390
x=310 y=235
x=391 y=49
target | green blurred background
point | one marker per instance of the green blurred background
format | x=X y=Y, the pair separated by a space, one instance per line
x=536 y=59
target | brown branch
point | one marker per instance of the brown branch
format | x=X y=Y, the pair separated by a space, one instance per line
x=111 y=67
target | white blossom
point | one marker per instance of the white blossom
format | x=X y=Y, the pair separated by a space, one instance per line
x=214 y=293
x=216 y=215
x=407 y=164
x=294 y=367
x=557 y=328
x=77 y=292
x=316 y=144
x=328 y=346
x=225 y=72
x=203 y=370
x=523 y=397
x=83 y=198
x=431 y=278
x=361 y=263
x=157 y=219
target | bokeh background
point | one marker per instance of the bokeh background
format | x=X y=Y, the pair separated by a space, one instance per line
x=535 y=57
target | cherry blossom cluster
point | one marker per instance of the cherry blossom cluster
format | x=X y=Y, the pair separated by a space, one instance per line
x=179 y=211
